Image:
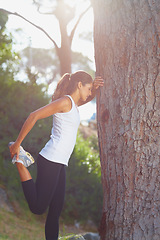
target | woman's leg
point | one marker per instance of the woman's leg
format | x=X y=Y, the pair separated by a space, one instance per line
x=39 y=194
x=55 y=208
x=23 y=172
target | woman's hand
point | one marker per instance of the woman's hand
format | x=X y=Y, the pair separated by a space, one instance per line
x=14 y=150
x=98 y=82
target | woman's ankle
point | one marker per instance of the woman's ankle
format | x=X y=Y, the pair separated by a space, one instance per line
x=23 y=172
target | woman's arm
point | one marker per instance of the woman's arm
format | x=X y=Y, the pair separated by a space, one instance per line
x=98 y=82
x=61 y=105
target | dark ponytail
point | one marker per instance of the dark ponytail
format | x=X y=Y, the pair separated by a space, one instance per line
x=62 y=87
x=69 y=83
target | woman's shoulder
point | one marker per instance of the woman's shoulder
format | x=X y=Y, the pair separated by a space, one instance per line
x=66 y=102
x=67 y=99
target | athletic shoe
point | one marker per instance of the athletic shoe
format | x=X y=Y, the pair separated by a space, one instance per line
x=24 y=157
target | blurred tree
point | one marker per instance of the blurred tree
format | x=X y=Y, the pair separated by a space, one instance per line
x=64 y=14
x=45 y=63
x=127 y=53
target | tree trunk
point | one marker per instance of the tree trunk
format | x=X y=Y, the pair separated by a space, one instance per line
x=127 y=54
x=64 y=53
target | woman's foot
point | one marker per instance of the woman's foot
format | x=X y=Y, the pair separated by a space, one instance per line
x=24 y=157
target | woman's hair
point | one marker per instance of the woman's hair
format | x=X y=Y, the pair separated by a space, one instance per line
x=69 y=83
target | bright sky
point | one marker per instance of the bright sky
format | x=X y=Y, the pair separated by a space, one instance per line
x=26 y=9
x=36 y=38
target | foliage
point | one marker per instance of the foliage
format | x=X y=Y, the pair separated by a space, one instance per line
x=17 y=100
x=7 y=55
x=87 y=152
x=83 y=190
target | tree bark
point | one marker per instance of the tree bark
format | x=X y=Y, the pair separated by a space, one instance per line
x=127 y=55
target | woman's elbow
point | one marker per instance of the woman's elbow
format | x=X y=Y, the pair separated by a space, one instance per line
x=33 y=117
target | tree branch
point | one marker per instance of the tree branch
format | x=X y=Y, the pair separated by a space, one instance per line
x=41 y=29
x=38 y=8
x=74 y=29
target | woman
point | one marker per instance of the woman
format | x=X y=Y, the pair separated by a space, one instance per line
x=49 y=189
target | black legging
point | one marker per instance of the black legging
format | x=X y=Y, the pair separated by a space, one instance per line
x=48 y=190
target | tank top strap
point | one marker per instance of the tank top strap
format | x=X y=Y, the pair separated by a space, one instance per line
x=73 y=103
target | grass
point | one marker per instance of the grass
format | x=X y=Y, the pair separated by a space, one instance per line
x=27 y=227
x=15 y=227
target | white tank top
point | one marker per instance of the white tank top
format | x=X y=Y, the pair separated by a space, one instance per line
x=63 y=136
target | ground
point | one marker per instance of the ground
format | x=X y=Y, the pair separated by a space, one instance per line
x=20 y=227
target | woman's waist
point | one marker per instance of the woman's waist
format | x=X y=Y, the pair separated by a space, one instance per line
x=63 y=142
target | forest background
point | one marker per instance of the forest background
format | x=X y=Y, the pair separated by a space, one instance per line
x=18 y=98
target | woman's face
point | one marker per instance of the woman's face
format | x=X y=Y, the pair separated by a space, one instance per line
x=85 y=91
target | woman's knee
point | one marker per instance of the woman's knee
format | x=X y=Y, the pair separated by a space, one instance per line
x=37 y=210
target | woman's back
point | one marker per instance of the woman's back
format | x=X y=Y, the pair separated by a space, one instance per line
x=63 y=136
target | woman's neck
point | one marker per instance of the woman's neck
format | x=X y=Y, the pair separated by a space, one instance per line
x=75 y=96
